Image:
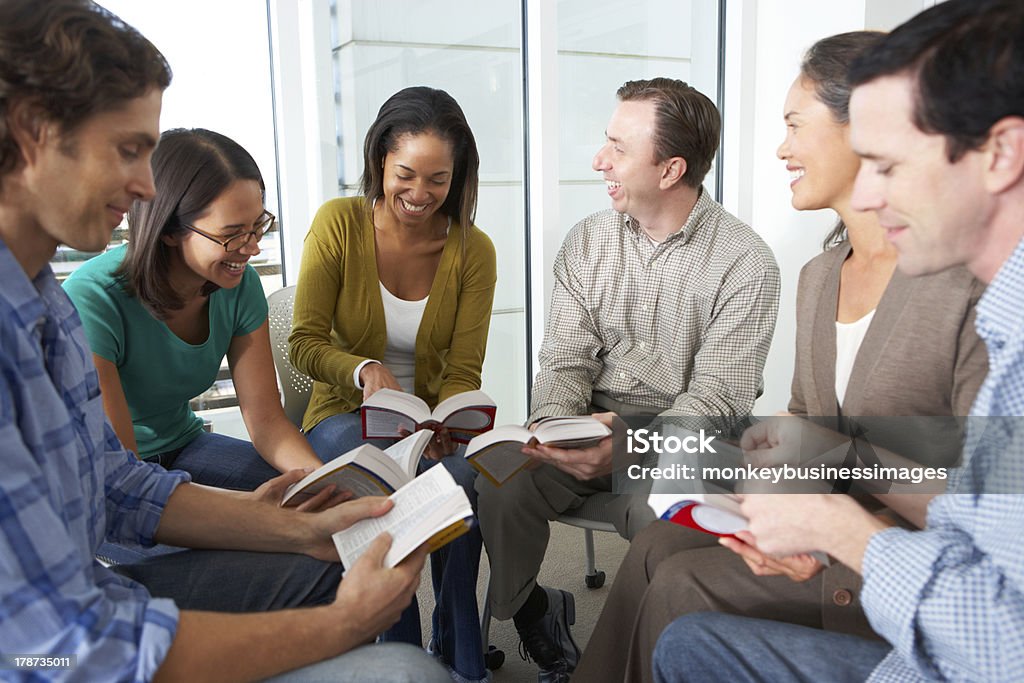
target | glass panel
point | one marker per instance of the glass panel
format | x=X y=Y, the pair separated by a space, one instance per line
x=650 y=27
x=221 y=82
x=505 y=366
x=471 y=50
x=600 y=47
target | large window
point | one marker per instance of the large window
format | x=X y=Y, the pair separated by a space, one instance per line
x=578 y=52
x=471 y=50
x=221 y=82
x=298 y=84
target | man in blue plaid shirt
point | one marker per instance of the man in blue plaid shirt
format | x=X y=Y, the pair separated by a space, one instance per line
x=937 y=115
x=80 y=97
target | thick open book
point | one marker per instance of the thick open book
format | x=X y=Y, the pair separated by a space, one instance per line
x=430 y=509
x=497 y=454
x=389 y=414
x=365 y=470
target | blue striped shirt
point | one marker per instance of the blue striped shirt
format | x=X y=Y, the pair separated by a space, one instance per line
x=950 y=599
x=65 y=485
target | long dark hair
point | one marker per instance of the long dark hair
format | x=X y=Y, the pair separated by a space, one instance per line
x=826 y=65
x=424 y=110
x=191 y=168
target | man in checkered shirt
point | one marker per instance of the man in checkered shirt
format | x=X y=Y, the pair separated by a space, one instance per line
x=937 y=115
x=663 y=305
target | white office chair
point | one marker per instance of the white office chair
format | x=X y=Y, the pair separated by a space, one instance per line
x=296 y=387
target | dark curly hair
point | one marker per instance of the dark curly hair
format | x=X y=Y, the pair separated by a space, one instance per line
x=72 y=59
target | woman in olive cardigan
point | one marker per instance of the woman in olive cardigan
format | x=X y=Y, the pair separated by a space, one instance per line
x=395 y=291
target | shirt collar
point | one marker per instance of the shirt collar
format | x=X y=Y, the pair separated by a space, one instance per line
x=26 y=297
x=998 y=311
x=693 y=221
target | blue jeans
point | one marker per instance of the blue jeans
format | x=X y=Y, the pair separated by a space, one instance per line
x=381 y=663
x=708 y=646
x=235 y=581
x=211 y=459
x=453 y=568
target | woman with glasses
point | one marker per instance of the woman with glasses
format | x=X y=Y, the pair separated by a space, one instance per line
x=395 y=291
x=162 y=312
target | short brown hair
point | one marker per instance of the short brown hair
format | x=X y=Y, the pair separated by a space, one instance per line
x=687 y=123
x=73 y=59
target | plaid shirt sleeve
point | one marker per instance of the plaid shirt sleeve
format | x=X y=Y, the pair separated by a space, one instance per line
x=569 y=362
x=951 y=611
x=136 y=493
x=727 y=369
x=54 y=598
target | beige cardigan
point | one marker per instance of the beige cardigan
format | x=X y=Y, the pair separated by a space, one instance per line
x=338 y=320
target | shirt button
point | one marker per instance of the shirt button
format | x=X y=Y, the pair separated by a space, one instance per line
x=622 y=375
x=643 y=307
x=842 y=597
x=642 y=345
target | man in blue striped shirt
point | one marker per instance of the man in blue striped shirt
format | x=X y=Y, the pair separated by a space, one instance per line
x=80 y=97
x=937 y=115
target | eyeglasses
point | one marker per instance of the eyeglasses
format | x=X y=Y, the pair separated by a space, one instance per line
x=264 y=224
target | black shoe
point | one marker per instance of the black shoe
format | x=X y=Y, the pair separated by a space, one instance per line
x=548 y=641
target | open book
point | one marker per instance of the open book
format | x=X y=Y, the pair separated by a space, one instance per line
x=389 y=414
x=497 y=454
x=365 y=470
x=430 y=509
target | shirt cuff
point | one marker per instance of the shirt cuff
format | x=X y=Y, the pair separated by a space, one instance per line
x=160 y=626
x=359 y=368
x=898 y=564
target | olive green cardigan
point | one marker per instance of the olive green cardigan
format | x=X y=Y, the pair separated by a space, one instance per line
x=338 y=320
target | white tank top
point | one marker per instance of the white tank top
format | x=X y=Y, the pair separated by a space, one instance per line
x=403 y=322
x=849 y=337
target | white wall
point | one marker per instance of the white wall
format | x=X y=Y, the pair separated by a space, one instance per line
x=765 y=42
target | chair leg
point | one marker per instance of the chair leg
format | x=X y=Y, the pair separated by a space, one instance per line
x=485 y=617
x=493 y=657
x=593 y=578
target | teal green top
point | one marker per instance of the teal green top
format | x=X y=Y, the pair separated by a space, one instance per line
x=160 y=373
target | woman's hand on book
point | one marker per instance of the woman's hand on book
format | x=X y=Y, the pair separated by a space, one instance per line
x=375 y=377
x=440 y=445
x=797 y=568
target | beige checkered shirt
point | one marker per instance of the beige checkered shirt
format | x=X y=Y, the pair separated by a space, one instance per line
x=683 y=327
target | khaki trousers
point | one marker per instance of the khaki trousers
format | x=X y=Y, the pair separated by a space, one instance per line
x=670 y=571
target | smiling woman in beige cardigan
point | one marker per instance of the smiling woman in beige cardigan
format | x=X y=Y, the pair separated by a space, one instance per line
x=395 y=291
